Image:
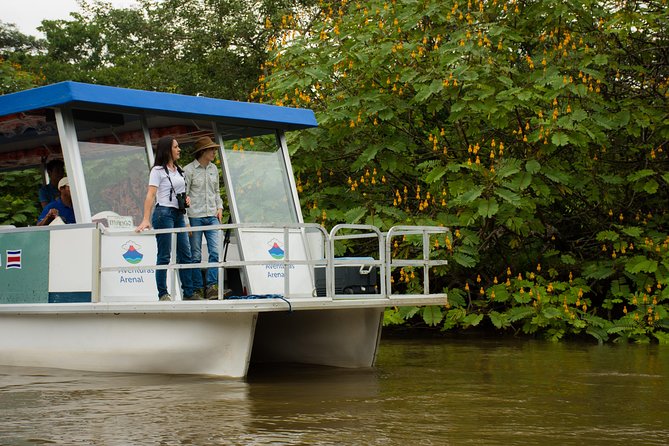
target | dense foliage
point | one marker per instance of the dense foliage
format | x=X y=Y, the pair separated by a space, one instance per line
x=18 y=200
x=536 y=130
x=14 y=46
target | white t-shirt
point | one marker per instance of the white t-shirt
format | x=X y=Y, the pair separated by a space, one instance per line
x=158 y=178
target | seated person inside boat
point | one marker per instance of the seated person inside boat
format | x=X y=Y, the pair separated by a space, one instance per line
x=60 y=207
x=55 y=169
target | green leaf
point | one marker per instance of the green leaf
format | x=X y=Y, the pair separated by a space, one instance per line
x=557 y=176
x=622 y=118
x=392 y=317
x=368 y=154
x=464 y=260
x=355 y=215
x=619 y=289
x=472 y=320
x=611 y=179
x=560 y=139
x=456 y=297
x=470 y=195
x=499 y=320
x=432 y=315
x=518 y=313
x=533 y=166
x=639 y=175
x=436 y=174
x=651 y=186
x=488 y=208
x=508 y=196
x=598 y=270
x=508 y=168
x=663 y=338
x=426 y=91
x=501 y=293
x=568 y=259
x=607 y=236
x=516 y=224
x=598 y=333
x=551 y=313
x=632 y=231
x=639 y=264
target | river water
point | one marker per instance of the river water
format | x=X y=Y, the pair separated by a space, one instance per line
x=422 y=392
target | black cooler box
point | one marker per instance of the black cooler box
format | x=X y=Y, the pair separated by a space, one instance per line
x=350 y=279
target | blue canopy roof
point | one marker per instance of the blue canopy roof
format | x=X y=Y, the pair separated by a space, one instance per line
x=79 y=94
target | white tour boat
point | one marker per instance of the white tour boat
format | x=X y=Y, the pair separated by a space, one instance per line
x=83 y=296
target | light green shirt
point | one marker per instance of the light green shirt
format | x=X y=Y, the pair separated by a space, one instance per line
x=202 y=187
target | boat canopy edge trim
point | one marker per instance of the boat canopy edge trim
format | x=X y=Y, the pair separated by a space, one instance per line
x=77 y=94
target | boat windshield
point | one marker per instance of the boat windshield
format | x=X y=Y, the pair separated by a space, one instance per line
x=259 y=181
x=114 y=162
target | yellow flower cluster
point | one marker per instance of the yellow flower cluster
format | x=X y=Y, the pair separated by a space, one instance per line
x=407 y=275
x=366 y=179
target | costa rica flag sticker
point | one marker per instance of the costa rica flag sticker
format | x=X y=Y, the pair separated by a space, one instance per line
x=13 y=259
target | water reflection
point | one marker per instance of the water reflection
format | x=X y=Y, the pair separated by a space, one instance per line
x=455 y=392
x=310 y=405
x=45 y=406
x=507 y=392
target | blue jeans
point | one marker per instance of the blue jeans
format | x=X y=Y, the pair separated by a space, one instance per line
x=167 y=217
x=196 y=249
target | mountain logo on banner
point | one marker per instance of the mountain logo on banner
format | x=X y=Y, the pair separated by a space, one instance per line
x=132 y=254
x=276 y=251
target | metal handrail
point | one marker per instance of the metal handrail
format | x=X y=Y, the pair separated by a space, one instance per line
x=173 y=266
x=381 y=263
x=426 y=263
x=385 y=262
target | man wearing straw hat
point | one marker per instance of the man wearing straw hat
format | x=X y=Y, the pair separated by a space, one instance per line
x=206 y=208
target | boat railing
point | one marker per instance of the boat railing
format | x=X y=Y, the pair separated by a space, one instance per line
x=426 y=262
x=383 y=259
x=287 y=262
x=366 y=264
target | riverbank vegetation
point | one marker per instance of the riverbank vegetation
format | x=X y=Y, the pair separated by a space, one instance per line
x=538 y=131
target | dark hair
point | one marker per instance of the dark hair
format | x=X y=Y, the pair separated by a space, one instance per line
x=163 y=151
x=199 y=154
x=53 y=164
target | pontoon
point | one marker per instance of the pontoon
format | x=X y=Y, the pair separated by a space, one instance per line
x=83 y=296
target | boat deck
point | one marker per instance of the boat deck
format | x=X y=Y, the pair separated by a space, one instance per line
x=217 y=306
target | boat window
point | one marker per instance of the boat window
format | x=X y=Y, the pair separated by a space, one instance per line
x=259 y=180
x=27 y=139
x=114 y=162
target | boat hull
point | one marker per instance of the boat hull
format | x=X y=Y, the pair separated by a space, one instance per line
x=198 y=337
x=175 y=343
x=340 y=338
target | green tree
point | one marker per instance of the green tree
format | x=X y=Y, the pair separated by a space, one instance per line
x=14 y=41
x=13 y=47
x=209 y=47
x=536 y=130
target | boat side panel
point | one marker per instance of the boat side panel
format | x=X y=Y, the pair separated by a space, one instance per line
x=175 y=343
x=340 y=338
x=24 y=267
x=72 y=264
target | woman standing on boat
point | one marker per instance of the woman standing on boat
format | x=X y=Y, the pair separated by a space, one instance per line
x=167 y=188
